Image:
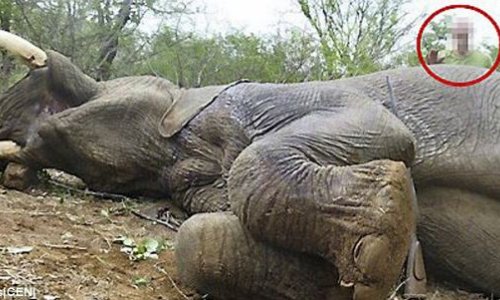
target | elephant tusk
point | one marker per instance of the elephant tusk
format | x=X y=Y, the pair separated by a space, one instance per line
x=346 y=284
x=31 y=55
x=8 y=149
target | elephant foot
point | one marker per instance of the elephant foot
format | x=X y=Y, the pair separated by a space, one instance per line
x=359 y=218
x=376 y=259
x=217 y=256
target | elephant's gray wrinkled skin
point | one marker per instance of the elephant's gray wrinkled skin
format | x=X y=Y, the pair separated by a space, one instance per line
x=315 y=174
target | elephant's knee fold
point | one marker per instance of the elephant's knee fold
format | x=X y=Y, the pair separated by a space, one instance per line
x=387 y=188
x=402 y=146
x=396 y=190
x=397 y=140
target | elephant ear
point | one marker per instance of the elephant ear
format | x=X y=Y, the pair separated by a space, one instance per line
x=187 y=105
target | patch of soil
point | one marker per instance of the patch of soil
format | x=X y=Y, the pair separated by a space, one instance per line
x=73 y=255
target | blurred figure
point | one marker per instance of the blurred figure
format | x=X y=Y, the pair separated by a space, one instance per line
x=463 y=53
x=433 y=58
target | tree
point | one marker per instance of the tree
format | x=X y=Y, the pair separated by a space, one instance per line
x=90 y=32
x=433 y=42
x=115 y=24
x=6 y=14
x=492 y=51
x=355 y=36
x=190 y=60
x=437 y=36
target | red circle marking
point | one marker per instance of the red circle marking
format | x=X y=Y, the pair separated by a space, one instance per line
x=441 y=79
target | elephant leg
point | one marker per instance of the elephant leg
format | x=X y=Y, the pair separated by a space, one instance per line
x=460 y=234
x=333 y=186
x=216 y=255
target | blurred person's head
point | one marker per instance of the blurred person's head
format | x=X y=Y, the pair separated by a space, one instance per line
x=462 y=33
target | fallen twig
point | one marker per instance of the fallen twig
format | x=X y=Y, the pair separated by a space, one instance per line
x=117 y=197
x=146 y=217
x=19 y=279
x=396 y=290
x=31 y=214
x=16 y=250
x=165 y=214
x=86 y=192
x=103 y=237
x=67 y=247
x=161 y=270
x=102 y=261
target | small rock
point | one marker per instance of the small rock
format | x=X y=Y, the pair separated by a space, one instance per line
x=19 y=250
x=67 y=236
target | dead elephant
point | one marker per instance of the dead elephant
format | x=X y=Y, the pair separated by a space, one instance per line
x=314 y=177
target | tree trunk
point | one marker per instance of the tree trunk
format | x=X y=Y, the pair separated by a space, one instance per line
x=5 y=19
x=109 y=47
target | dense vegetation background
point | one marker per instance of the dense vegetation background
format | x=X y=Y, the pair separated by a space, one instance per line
x=111 y=38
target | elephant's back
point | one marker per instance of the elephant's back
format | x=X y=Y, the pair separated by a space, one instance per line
x=266 y=108
x=456 y=129
x=447 y=115
x=451 y=125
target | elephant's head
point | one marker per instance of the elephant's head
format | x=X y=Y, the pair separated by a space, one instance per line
x=106 y=133
x=52 y=85
x=118 y=135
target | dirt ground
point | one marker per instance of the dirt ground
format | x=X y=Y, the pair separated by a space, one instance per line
x=75 y=255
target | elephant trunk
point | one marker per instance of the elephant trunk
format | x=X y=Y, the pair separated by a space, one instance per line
x=68 y=82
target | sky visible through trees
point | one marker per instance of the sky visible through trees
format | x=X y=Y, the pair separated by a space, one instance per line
x=203 y=42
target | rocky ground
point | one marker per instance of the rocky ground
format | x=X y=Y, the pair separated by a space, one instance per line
x=68 y=245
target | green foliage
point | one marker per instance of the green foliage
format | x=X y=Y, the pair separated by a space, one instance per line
x=348 y=38
x=492 y=52
x=436 y=38
x=9 y=79
x=355 y=37
x=141 y=281
x=91 y=33
x=191 y=61
x=407 y=58
x=144 y=249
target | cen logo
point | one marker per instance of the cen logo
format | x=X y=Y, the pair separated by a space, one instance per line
x=18 y=292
